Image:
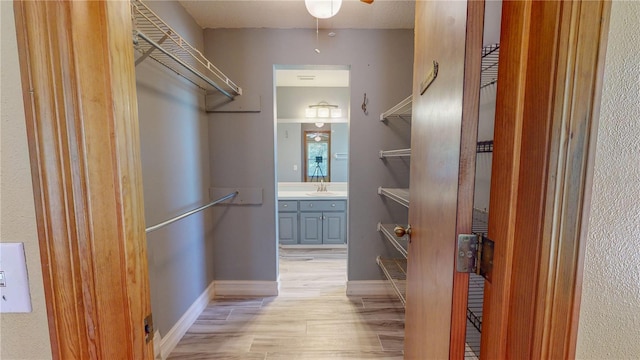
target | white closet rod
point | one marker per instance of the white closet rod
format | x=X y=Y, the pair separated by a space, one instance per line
x=179 y=217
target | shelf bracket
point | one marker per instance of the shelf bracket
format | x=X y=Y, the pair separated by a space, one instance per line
x=146 y=54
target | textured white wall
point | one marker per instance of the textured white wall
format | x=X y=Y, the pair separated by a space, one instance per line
x=610 y=311
x=22 y=336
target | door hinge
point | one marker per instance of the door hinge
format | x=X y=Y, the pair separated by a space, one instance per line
x=148 y=328
x=475 y=255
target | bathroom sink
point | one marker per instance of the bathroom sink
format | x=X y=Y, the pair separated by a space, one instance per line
x=322 y=193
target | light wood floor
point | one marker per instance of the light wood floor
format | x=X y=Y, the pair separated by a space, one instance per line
x=312 y=318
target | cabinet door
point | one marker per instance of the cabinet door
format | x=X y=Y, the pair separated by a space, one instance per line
x=288 y=228
x=334 y=229
x=310 y=228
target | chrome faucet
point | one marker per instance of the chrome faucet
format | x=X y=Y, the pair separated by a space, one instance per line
x=321 y=187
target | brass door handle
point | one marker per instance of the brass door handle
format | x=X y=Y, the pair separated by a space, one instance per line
x=401 y=231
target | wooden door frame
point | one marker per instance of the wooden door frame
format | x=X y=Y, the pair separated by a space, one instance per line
x=79 y=91
x=549 y=86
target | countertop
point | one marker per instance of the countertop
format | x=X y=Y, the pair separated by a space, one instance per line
x=312 y=195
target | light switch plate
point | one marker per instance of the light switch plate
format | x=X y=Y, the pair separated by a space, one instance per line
x=14 y=295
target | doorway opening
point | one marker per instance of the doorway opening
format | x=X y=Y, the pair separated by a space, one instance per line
x=311 y=120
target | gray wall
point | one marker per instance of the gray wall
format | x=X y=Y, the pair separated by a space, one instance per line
x=175 y=169
x=289 y=152
x=242 y=145
x=292 y=101
x=339 y=144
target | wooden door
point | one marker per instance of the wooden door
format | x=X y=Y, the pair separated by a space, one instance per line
x=78 y=86
x=443 y=137
x=548 y=98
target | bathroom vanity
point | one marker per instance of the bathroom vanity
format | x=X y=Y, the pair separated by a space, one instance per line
x=310 y=217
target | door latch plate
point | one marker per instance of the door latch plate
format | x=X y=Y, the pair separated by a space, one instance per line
x=148 y=328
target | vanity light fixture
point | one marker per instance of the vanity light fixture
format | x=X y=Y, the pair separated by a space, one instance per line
x=323 y=9
x=323 y=110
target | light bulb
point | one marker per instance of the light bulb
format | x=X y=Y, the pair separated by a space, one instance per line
x=323 y=9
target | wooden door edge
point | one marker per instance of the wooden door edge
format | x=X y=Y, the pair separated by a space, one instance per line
x=85 y=165
x=514 y=46
x=467 y=170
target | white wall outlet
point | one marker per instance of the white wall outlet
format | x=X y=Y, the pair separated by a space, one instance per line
x=14 y=282
x=295 y=167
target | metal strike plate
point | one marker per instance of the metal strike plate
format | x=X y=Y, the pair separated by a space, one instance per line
x=148 y=328
x=475 y=255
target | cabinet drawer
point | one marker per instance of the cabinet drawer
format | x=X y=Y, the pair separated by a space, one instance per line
x=323 y=205
x=287 y=205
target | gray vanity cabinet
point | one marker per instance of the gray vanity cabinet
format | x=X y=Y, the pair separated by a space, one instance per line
x=334 y=227
x=320 y=221
x=310 y=228
x=323 y=221
x=288 y=222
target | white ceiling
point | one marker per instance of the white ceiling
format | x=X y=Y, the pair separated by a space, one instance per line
x=312 y=77
x=291 y=14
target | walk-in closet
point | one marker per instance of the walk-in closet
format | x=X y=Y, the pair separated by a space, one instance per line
x=203 y=192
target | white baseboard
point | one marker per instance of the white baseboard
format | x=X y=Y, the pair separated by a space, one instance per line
x=157 y=351
x=173 y=336
x=246 y=288
x=369 y=288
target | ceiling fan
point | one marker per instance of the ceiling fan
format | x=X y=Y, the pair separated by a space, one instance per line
x=324 y=9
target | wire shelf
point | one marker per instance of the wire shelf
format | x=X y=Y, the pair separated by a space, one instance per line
x=395 y=153
x=401 y=196
x=401 y=110
x=484 y=146
x=153 y=38
x=489 y=67
x=475 y=301
x=395 y=270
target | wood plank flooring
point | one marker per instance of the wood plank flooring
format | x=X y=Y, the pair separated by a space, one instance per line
x=312 y=318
